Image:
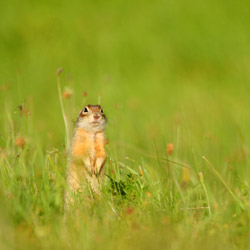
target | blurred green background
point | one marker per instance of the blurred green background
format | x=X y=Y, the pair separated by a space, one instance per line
x=169 y=71
x=154 y=60
x=156 y=63
x=162 y=58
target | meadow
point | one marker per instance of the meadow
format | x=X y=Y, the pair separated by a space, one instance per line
x=173 y=78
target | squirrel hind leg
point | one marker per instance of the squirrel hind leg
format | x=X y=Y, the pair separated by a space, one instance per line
x=73 y=187
x=68 y=201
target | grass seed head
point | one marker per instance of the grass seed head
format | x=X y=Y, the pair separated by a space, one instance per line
x=23 y=110
x=141 y=172
x=201 y=177
x=170 y=148
x=20 y=142
x=58 y=72
x=67 y=93
x=4 y=87
x=85 y=93
x=129 y=210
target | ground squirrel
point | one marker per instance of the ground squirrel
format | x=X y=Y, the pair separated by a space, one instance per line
x=87 y=153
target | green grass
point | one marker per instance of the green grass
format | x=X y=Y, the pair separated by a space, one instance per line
x=168 y=72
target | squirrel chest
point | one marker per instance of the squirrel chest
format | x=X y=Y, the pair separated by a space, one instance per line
x=88 y=146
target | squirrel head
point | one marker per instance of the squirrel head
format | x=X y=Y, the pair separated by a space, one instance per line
x=92 y=118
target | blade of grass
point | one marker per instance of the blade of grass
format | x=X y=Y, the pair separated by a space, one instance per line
x=62 y=108
x=205 y=191
x=212 y=169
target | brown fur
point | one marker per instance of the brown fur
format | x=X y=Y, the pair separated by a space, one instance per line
x=87 y=157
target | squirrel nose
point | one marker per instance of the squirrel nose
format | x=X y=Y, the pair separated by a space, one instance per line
x=96 y=116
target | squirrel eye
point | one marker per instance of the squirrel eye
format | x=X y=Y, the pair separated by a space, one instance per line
x=101 y=110
x=86 y=110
